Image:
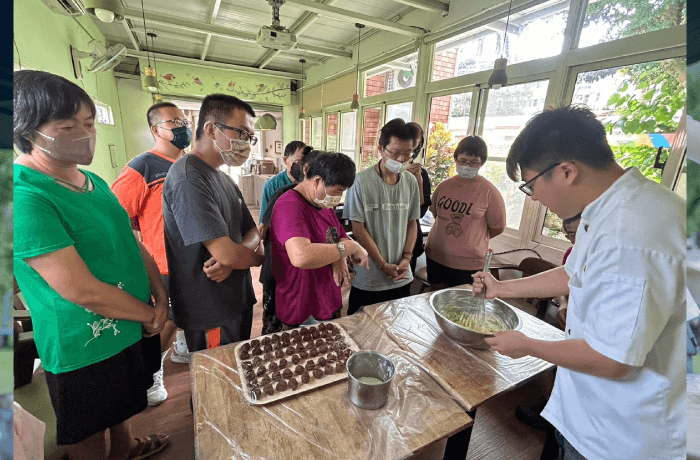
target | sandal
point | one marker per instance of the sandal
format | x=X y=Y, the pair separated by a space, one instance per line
x=149 y=446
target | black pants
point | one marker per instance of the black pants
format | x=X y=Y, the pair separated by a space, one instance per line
x=270 y=322
x=359 y=298
x=227 y=333
x=439 y=274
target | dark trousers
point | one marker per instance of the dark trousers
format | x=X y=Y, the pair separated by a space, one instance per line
x=270 y=322
x=223 y=335
x=439 y=274
x=359 y=298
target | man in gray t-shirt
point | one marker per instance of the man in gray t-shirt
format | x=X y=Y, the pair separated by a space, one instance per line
x=383 y=206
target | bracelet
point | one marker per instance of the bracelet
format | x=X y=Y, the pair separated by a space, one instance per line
x=380 y=266
x=408 y=255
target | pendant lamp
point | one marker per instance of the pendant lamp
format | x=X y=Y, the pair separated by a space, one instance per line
x=105 y=10
x=266 y=123
x=149 y=80
x=499 y=77
x=356 y=97
x=301 y=112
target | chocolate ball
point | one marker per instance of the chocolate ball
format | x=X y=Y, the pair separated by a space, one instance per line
x=296 y=339
x=275 y=338
x=273 y=366
x=342 y=345
x=254 y=383
x=348 y=353
x=250 y=375
x=293 y=384
x=300 y=347
x=305 y=377
x=312 y=329
x=339 y=367
x=319 y=342
x=281 y=385
x=322 y=327
x=276 y=345
x=245 y=355
x=276 y=376
x=328 y=370
x=295 y=333
x=303 y=330
x=306 y=337
x=246 y=365
x=279 y=354
x=267 y=348
x=261 y=371
x=296 y=359
x=286 y=342
x=265 y=340
x=290 y=351
x=257 y=361
x=323 y=349
x=313 y=352
x=256 y=351
x=324 y=334
x=310 y=345
x=329 y=341
x=287 y=374
x=332 y=357
x=268 y=389
x=309 y=365
x=338 y=338
x=316 y=335
x=299 y=370
x=267 y=357
x=245 y=347
x=283 y=363
x=255 y=343
x=321 y=361
x=265 y=380
x=318 y=373
x=255 y=393
x=285 y=335
x=303 y=354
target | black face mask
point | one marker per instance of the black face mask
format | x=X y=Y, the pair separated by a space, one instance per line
x=297 y=172
x=182 y=137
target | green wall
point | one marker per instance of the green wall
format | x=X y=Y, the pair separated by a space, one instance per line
x=135 y=103
x=43 y=41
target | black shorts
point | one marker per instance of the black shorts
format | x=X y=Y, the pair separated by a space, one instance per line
x=166 y=281
x=439 y=274
x=101 y=395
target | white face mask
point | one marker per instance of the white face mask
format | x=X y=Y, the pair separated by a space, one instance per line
x=467 y=172
x=238 y=152
x=395 y=166
x=329 y=201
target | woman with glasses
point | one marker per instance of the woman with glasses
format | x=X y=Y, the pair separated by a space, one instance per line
x=86 y=280
x=469 y=211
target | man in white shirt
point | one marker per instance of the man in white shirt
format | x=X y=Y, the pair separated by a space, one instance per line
x=619 y=392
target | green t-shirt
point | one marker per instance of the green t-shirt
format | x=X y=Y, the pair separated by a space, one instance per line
x=49 y=217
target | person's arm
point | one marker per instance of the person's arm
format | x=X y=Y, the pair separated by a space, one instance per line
x=363 y=237
x=233 y=255
x=67 y=274
x=495 y=212
x=160 y=294
x=494 y=232
x=405 y=262
x=305 y=254
x=552 y=283
x=415 y=170
x=574 y=354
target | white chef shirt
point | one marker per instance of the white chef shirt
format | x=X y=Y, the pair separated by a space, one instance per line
x=627 y=301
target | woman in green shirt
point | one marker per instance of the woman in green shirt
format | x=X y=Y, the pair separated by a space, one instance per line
x=96 y=296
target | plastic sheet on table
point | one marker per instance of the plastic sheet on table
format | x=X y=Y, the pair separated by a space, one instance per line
x=322 y=423
x=472 y=376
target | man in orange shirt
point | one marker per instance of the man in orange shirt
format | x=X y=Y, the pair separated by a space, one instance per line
x=139 y=189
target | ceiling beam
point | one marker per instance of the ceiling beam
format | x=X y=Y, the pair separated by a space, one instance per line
x=352 y=17
x=223 y=32
x=214 y=64
x=434 y=6
x=212 y=15
x=130 y=34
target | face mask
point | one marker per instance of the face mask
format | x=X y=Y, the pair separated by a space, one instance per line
x=329 y=201
x=68 y=149
x=237 y=154
x=395 y=166
x=467 y=172
x=296 y=172
x=182 y=137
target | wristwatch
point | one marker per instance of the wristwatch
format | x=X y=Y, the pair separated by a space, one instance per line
x=341 y=248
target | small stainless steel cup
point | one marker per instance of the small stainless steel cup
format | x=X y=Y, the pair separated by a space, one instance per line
x=373 y=365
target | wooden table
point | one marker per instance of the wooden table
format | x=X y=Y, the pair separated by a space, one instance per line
x=322 y=423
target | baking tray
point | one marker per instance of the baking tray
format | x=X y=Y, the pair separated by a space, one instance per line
x=246 y=361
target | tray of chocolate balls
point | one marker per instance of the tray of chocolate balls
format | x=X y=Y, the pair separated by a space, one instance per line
x=280 y=365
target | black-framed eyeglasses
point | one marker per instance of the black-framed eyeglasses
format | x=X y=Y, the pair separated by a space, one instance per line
x=178 y=122
x=526 y=188
x=242 y=133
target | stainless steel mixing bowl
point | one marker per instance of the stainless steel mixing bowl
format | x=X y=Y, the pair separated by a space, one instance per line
x=464 y=298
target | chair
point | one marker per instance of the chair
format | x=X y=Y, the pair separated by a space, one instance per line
x=421 y=274
x=528 y=267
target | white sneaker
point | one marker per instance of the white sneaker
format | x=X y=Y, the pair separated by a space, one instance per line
x=180 y=352
x=157 y=393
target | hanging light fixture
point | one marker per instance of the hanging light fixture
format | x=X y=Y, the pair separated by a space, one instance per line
x=301 y=112
x=499 y=77
x=148 y=79
x=355 y=105
x=105 y=10
x=266 y=123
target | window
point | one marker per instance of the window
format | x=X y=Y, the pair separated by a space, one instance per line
x=372 y=123
x=507 y=111
x=402 y=110
x=392 y=76
x=332 y=132
x=103 y=113
x=317 y=132
x=535 y=33
x=348 y=122
x=305 y=130
x=608 y=20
